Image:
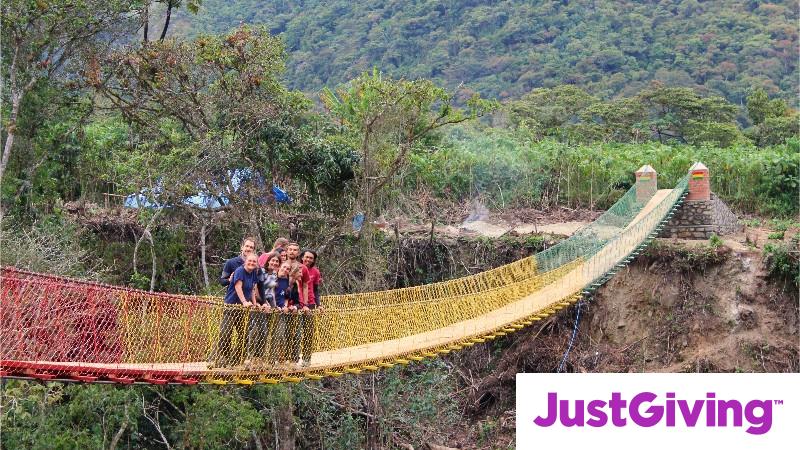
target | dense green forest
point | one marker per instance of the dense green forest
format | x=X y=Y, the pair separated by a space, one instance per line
x=503 y=49
x=355 y=108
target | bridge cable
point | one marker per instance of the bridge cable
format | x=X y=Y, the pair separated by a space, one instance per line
x=572 y=338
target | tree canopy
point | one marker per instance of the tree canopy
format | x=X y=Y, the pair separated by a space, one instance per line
x=503 y=49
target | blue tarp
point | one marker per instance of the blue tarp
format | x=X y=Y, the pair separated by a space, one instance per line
x=280 y=195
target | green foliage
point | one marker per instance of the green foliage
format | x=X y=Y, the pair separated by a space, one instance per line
x=212 y=115
x=217 y=419
x=773 y=122
x=680 y=113
x=621 y=120
x=45 y=44
x=102 y=168
x=55 y=415
x=429 y=406
x=535 y=243
x=526 y=172
x=758 y=106
x=486 y=431
x=49 y=246
x=504 y=49
x=783 y=262
x=776 y=235
x=321 y=423
x=753 y=222
x=776 y=130
x=139 y=280
x=45 y=162
x=686 y=259
x=782 y=224
x=666 y=114
x=551 y=112
x=714 y=242
x=388 y=120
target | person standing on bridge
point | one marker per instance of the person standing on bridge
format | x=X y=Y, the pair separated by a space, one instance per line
x=308 y=320
x=279 y=343
x=277 y=248
x=248 y=246
x=309 y=260
x=260 y=321
x=292 y=255
x=242 y=291
x=302 y=311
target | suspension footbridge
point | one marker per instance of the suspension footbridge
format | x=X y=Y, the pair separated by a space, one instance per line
x=56 y=328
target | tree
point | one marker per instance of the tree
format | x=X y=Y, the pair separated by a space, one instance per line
x=773 y=121
x=615 y=121
x=196 y=109
x=387 y=119
x=211 y=117
x=680 y=113
x=48 y=143
x=504 y=49
x=41 y=38
x=758 y=106
x=214 y=112
x=192 y=6
x=551 y=111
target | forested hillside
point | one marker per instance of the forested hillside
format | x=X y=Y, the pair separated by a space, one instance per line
x=503 y=49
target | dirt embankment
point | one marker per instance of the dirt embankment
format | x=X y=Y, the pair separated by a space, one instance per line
x=677 y=308
x=693 y=310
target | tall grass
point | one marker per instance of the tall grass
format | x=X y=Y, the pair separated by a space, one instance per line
x=507 y=168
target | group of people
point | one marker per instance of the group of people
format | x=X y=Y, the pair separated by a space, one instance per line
x=283 y=280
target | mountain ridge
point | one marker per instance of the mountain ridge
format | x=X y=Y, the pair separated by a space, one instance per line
x=503 y=49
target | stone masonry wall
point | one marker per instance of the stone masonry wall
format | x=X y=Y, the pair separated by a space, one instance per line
x=724 y=218
x=700 y=219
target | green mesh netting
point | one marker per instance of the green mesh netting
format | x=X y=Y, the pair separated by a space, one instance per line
x=591 y=238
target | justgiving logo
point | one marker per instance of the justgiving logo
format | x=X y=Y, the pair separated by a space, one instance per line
x=646 y=409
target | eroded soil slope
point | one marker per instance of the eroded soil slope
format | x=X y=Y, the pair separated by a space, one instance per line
x=680 y=307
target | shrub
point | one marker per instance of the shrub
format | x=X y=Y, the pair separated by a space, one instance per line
x=782 y=262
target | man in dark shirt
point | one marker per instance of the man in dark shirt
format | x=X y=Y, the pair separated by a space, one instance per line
x=248 y=246
x=242 y=291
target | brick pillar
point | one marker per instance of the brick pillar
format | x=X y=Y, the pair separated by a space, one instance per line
x=646 y=183
x=699 y=183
